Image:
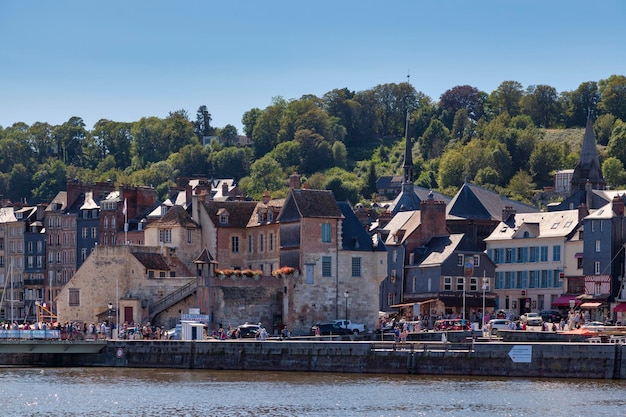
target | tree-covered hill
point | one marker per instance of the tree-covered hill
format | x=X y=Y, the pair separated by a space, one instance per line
x=510 y=140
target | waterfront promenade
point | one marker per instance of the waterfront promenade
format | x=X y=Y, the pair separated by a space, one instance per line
x=457 y=357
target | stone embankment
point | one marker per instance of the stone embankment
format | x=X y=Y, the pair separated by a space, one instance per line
x=505 y=359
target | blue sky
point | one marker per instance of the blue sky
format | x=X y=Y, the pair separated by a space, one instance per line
x=123 y=60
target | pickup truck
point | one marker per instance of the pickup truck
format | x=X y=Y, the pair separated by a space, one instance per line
x=347 y=324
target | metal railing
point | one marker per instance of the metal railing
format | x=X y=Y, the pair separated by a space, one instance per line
x=172 y=298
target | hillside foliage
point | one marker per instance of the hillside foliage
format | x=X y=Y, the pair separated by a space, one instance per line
x=510 y=140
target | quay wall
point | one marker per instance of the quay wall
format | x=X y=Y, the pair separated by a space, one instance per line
x=550 y=360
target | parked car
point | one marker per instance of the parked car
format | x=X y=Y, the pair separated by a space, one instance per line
x=385 y=329
x=248 y=331
x=329 y=328
x=551 y=316
x=532 y=319
x=596 y=325
x=498 y=324
x=452 y=324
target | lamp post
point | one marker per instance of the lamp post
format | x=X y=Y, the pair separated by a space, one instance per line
x=485 y=282
x=346 y=294
x=110 y=307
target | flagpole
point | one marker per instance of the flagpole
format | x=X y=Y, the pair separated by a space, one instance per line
x=125 y=221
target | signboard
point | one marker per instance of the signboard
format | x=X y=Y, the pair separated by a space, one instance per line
x=200 y=318
x=521 y=353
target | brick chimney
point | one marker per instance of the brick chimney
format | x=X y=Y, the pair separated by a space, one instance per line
x=583 y=211
x=433 y=218
x=294 y=181
x=266 y=197
x=507 y=211
x=618 y=205
x=224 y=189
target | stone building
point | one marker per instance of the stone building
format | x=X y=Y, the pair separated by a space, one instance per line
x=137 y=280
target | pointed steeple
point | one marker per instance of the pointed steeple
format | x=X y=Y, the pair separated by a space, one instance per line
x=588 y=168
x=407 y=199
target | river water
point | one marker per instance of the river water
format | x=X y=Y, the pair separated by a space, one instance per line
x=167 y=392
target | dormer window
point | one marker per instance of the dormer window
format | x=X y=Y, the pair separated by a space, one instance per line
x=223 y=216
x=260 y=217
x=270 y=216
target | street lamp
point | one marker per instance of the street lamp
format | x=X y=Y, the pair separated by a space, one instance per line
x=110 y=307
x=485 y=282
x=346 y=294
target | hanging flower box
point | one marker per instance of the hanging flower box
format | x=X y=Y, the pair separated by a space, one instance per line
x=284 y=271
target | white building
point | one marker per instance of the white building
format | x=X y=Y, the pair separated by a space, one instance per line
x=533 y=253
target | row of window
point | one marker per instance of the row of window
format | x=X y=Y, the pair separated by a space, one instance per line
x=58 y=222
x=327 y=266
x=459 y=284
x=524 y=254
x=528 y=279
x=262 y=246
x=67 y=257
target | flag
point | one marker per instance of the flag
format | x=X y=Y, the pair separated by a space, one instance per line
x=125 y=209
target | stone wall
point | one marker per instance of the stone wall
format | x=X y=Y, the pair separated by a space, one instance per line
x=553 y=360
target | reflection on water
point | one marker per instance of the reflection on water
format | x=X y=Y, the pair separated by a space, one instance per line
x=167 y=392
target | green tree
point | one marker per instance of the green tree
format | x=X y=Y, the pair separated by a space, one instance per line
x=287 y=154
x=521 y=187
x=369 y=183
x=191 y=160
x=114 y=138
x=434 y=140
x=462 y=97
x=149 y=141
x=613 y=172
x=452 y=169
x=267 y=126
x=49 y=179
x=603 y=127
x=581 y=103
x=231 y=162
x=613 y=96
x=265 y=174
x=249 y=119
x=68 y=138
x=228 y=135
x=544 y=160
x=617 y=143
x=541 y=104
x=506 y=98
x=340 y=155
x=202 y=125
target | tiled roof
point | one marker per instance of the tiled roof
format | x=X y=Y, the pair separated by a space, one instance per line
x=316 y=203
x=239 y=212
x=152 y=261
x=176 y=216
x=274 y=205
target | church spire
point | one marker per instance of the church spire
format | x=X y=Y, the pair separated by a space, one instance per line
x=407 y=168
x=588 y=168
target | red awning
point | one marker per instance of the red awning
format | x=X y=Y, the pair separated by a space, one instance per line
x=621 y=307
x=563 y=301
x=590 y=305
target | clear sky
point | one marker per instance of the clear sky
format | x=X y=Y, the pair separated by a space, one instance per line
x=126 y=59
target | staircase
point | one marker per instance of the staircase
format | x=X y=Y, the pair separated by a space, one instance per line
x=171 y=299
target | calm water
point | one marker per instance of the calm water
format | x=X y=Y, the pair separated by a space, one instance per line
x=153 y=392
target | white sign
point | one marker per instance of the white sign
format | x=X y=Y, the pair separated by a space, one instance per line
x=521 y=353
x=194 y=311
x=200 y=318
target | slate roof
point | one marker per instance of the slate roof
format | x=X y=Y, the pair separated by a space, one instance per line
x=389 y=181
x=440 y=248
x=60 y=199
x=152 y=261
x=543 y=224
x=354 y=236
x=239 y=212
x=474 y=202
x=588 y=167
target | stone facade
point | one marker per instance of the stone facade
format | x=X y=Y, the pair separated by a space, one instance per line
x=120 y=274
